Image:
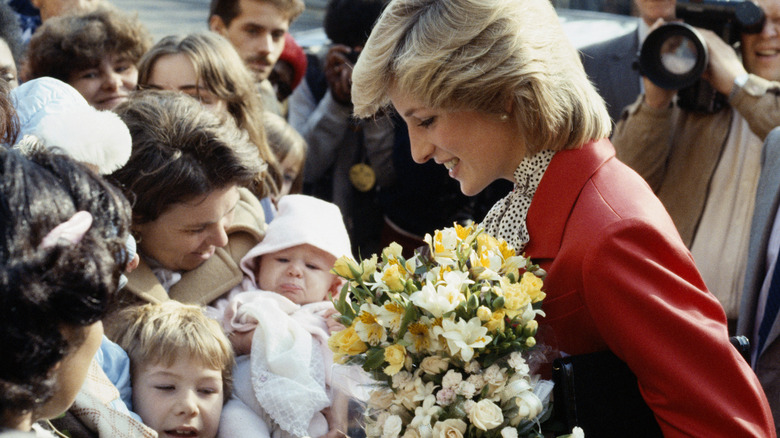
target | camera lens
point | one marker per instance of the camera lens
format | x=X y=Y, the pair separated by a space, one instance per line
x=673 y=56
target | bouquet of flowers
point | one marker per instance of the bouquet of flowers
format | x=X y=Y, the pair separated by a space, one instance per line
x=443 y=335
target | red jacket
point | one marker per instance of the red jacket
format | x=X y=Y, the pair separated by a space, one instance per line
x=620 y=278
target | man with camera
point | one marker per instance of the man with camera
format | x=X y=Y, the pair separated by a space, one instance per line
x=704 y=166
x=610 y=64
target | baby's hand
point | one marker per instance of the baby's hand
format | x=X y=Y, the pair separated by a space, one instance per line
x=333 y=324
x=241 y=341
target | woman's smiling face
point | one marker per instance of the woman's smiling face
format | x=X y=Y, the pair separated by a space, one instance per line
x=476 y=147
x=188 y=233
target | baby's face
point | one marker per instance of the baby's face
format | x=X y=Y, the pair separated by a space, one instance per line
x=183 y=400
x=300 y=273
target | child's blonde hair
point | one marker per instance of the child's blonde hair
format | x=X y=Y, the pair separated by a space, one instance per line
x=285 y=141
x=158 y=333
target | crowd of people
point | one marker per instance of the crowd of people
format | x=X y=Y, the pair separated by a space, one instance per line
x=170 y=211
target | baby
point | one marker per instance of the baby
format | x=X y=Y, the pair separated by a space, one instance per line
x=281 y=315
x=181 y=366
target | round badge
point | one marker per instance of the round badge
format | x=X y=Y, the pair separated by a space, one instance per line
x=362 y=177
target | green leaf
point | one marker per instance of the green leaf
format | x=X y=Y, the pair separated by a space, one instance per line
x=375 y=357
x=409 y=315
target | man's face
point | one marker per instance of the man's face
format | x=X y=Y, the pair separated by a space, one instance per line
x=761 y=51
x=651 y=10
x=257 y=33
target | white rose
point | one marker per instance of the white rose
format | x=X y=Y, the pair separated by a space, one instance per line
x=409 y=433
x=577 y=432
x=451 y=428
x=392 y=427
x=486 y=415
x=434 y=364
x=509 y=432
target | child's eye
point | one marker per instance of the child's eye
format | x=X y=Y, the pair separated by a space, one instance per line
x=165 y=387
x=207 y=391
x=314 y=267
x=282 y=259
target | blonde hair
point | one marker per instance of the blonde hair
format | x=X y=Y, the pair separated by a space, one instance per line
x=481 y=55
x=286 y=141
x=219 y=68
x=159 y=333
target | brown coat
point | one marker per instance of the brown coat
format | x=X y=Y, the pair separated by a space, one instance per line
x=677 y=151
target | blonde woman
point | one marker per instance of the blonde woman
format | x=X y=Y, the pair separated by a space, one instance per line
x=207 y=67
x=492 y=89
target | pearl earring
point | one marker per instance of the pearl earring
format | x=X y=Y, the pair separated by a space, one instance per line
x=504 y=117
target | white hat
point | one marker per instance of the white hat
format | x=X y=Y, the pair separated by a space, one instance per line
x=301 y=219
x=58 y=115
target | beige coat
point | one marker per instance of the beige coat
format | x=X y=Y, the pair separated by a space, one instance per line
x=677 y=151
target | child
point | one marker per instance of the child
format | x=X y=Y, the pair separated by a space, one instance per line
x=62 y=235
x=181 y=365
x=290 y=150
x=282 y=315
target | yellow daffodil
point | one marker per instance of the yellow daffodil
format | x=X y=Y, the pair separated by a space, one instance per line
x=393 y=279
x=345 y=267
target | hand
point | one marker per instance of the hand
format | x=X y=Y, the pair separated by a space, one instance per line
x=338 y=73
x=333 y=324
x=241 y=341
x=724 y=64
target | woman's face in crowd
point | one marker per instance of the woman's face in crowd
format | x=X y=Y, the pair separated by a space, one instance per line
x=176 y=73
x=108 y=84
x=476 y=148
x=72 y=370
x=291 y=167
x=188 y=233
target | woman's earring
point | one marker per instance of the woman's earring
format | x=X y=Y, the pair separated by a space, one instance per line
x=504 y=117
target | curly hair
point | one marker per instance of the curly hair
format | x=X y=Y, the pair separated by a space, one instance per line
x=181 y=150
x=9 y=120
x=67 y=44
x=43 y=290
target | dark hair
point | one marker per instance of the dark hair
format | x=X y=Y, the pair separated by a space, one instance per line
x=11 y=31
x=66 y=285
x=9 y=121
x=227 y=10
x=70 y=43
x=349 y=22
x=180 y=151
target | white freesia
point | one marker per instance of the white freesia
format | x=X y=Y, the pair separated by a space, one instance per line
x=437 y=301
x=450 y=428
x=392 y=427
x=423 y=415
x=486 y=415
x=463 y=337
x=528 y=405
x=509 y=432
x=514 y=388
x=577 y=432
x=456 y=279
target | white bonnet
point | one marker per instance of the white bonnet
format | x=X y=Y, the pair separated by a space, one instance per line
x=301 y=219
x=58 y=115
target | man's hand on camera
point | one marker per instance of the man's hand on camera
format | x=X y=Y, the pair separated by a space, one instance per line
x=724 y=64
x=338 y=73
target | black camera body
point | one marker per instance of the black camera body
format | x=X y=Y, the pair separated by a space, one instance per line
x=674 y=55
